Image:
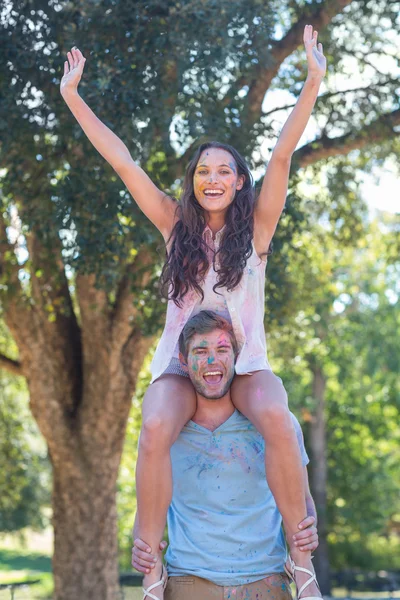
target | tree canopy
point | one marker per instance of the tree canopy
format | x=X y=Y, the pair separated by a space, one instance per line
x=176 y=74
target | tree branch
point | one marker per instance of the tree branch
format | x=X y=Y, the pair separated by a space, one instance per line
x=329 y=95
x=107 y=400
x=363 y=58
x=94 y=310
x=48 y=374
x=125 y=312
x=132 y=357
x=11 y=267
x=376 y=132
x=16 y=310
x=12 y=366
x=259 y=81
x=47 y=334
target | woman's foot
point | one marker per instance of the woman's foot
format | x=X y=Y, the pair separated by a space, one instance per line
x=158 y=576
x=301 y=570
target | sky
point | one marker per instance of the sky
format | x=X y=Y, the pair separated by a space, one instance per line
x=384 y=195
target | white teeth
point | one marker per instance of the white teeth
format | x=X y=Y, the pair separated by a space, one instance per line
x=213 y=373
x=213 y=192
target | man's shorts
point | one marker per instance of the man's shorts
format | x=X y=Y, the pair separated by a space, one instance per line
x=273 y=587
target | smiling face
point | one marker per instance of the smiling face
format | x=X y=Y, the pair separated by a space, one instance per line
x=210 y=363
x=216 y=180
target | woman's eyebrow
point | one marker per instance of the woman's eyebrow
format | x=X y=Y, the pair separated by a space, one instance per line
x=223 y=165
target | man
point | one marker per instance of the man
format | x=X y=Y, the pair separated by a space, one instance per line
x=225 y=535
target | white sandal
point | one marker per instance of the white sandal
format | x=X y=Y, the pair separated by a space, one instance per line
x=163 y=581
x=291 y=575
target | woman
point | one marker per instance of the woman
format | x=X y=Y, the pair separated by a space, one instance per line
x=217 y=239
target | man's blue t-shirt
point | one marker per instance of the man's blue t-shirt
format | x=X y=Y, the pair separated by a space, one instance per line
x=223 y=522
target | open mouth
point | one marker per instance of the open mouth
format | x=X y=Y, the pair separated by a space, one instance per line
x=212 y=377
x=213 y=193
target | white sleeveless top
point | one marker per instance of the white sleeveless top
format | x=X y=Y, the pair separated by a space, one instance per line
x=243 y=307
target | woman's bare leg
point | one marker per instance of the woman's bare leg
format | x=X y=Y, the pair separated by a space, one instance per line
x=262 y=398
x=169 y=403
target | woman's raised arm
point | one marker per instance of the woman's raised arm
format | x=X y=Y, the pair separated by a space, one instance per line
x=273 y=192
x=157 y=206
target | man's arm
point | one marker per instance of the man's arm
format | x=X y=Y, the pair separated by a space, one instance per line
x=307 y=538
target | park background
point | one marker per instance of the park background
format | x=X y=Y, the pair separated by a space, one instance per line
x=80 y=312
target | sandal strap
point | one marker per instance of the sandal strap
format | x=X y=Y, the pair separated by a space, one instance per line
x=307 y=583
x=163 y=581
x=147 y=594
x=295 y=568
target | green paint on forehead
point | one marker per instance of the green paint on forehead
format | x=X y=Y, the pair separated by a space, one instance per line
x=203 y=343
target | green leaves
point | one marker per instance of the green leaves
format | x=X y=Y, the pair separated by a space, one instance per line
x=342 y=316
x=24 y=468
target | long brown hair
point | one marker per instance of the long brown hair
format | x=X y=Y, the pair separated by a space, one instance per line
x=187 y=263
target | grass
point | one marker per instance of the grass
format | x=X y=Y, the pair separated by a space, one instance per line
x=17 y=566
x=14 y=560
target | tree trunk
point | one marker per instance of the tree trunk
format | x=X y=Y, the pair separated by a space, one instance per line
x=319 y=478
x=84 y=427
x=81 y=375
x=85 y=561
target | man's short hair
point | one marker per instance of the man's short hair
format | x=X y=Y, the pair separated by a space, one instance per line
x=204 y=322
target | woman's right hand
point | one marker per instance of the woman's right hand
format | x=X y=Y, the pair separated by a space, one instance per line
x=73 y=69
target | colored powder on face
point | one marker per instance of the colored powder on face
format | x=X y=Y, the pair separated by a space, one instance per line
x=194 y=363
x=210 y=360
x=223 y=339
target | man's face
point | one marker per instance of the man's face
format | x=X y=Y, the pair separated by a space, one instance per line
x=211 y=363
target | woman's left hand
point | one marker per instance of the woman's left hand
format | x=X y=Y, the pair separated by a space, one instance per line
x=315 y=56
